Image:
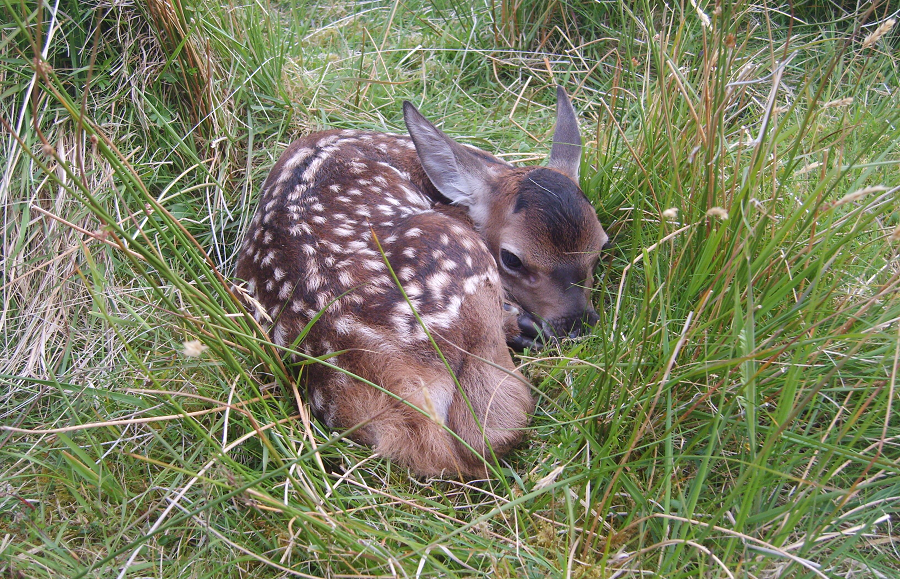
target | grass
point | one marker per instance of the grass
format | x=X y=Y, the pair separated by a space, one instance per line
x=734 y=414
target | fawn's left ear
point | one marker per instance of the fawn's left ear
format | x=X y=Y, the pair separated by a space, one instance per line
x=565 y=155
x=461 y=174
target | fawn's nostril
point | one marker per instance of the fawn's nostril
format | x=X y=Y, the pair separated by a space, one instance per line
x=575 y=326
x=588 y=318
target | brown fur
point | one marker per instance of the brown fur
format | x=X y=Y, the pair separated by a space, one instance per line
x=442 y=265
x=313 y=246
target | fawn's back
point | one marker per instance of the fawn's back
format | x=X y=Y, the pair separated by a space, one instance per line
x=336 y=206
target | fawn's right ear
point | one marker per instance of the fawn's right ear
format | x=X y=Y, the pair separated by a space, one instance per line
x=462 y=175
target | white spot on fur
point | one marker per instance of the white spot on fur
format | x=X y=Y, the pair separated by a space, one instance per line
x=286 y=290
x=355 y=327
x=374 y=289
x=437 y=283
x=279 y=334
x=440 y=320
x=313 y=168
x=297 y=192
x=359 y=246
x=413 y=290
x=328 y=140
x=318 y=401
x=344 y=231
x=472 y=283
x=372 y=265
x=401 y=318
x=297 y=158
x=403 y=174
x=415 y=197
x=299 y=229
x=343 y=325
x=331 y=246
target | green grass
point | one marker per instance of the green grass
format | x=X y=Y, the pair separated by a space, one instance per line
x=735 y=413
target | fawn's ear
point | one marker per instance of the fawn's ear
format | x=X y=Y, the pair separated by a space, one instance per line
x=461 y=174
x=565 y=154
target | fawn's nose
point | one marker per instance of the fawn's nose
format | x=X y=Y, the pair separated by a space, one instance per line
x=588 y=318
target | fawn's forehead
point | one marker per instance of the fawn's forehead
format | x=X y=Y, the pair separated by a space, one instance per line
x=554 y=208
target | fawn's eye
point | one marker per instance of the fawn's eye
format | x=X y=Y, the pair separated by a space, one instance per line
x=510 y=260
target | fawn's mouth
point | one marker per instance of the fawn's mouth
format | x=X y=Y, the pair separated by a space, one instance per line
x=537 y=332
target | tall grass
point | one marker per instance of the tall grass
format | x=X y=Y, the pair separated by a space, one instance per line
x=734 y=413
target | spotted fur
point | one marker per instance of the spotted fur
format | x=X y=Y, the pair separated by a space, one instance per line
x=334 y=208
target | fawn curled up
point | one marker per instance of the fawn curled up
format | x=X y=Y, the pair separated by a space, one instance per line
x=488 y=255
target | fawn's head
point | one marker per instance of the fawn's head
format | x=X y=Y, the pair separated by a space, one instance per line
x=537 y=222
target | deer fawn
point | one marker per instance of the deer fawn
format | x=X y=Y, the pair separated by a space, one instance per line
x=486 y=253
